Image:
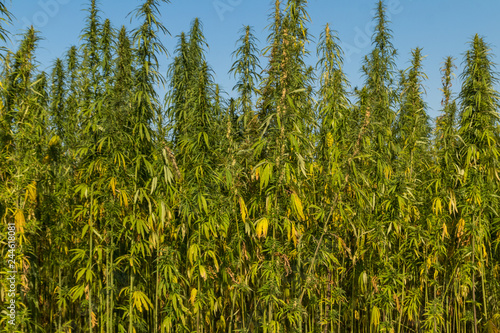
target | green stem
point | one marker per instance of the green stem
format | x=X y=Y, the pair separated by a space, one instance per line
x=91 y=232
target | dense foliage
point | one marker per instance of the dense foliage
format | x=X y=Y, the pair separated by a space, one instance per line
x=299 y=205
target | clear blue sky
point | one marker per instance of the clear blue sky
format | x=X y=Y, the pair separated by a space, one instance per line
x=440 y=27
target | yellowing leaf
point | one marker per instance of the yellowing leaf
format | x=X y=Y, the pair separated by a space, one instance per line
x=141 y=301
x=124 y=199
x=262 y=226
x=243 y=209
x=387 y=172
x=297 y=205
x=452 y=205
x=329 y=139
x=31 y=192
x=112 y=184
x=203 y=272
x=375 y=320
x=20 y=222
x=437 y=206
x=192 y=299
x=460 y=228
x=54 y=140
x=445 y=231
x=478 y=199
x=266 y=175
x=485 y=254
x=193 y=253
x=294 y=235
x=223 y=322
x=94 y=319
x=202 y=203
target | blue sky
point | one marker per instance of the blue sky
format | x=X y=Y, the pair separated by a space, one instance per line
x=440 y=27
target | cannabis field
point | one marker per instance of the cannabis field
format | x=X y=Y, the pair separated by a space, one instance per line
x=301 y=204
